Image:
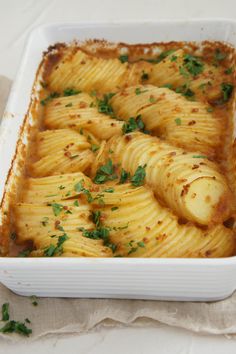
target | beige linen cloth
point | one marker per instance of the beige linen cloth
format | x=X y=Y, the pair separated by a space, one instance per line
x=54 y=315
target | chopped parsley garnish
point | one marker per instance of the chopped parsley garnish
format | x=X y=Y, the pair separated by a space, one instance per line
x=45 y=221
x=173 y=58
x=185 y=91
x=96 y=216
x=49 y=98
x=24 y=253
x=162 y=56
x=69 y=104
x=94 y=147
x=71 y=92
x=13 y=326
x=133 y=247
x=80 y=188
x=199 y=156
x=229 y=71
x=61 y=187
x=52 y=250
x=152 y=99
x=124 y=176
x=227 y=90
x=134 y=124
x=100 y=233
x=219 y=56
x=105 y=173
x=141 y=244
x=104 y=105
x=124 y=58
x=169 y=86
x=193 y=64
x=114 y=208
x=16 y=327
x=5 y=312
x=76 y=203
x=183 y=72
x=138 y=178
x=210 y=109
x=138 y=91
x=57 y=208
x=109 y=190
x=34 y=300
x=178 y=121
x=144 y=76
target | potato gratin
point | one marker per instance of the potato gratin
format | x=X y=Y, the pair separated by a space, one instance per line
x=130 y=154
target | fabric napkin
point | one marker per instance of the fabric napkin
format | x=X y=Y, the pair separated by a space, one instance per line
x=60 y=315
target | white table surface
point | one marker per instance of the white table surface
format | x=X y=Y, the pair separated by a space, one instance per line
x=17 y=18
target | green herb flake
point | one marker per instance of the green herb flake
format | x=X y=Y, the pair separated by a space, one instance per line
x=52 y=250
x=185 y=91
x=138 y=91
x=134 y=124
x=24 y=253
x=210 y=109
x=178 y=121
x=94 y=147
x=169 y=86
x=227 y=90
x=109 y=190
x=57 y=208
x=139 y=176
x=49 y=98
x=34 y=300
x=71 y=92
x=199 y=156
x=144 y=76
x=124 y=176
x=44 y=221
x=80 y=188
x=61 y=187
x=193 y=64
x=76 y=203
x=173 y=58
x=219 y=56
x=123 y=58
x=69 y=104
x=16 y=327
x=5 y=312
x=141 y=244
x=104 y=105
x=92 y=104
x=114 y=208
x=105 y=173
x=229 y=71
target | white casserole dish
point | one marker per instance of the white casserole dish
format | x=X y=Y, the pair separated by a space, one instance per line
x=169 y=279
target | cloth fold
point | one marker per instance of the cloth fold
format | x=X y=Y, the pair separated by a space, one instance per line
x=54 y=315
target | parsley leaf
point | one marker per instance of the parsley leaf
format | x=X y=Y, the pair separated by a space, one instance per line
x=229 y=71
x=178 y=121
x=162 y=56
x=124 y=176
x=219 y=56
x=193 y=64
x=185 y=91
x=94 y=147
x=144 y=76
x=227 y=90
x=58 y=249
x=105 y=173
x=104 y=105
x=123 y=58
x=138 y=91
x=71 y=92
x=57 y=208
x=34 y=301
x=134 y=124
x=5 y=312
x=80 y=188
x=16 y=327
x=49 y=98
x=138 y=177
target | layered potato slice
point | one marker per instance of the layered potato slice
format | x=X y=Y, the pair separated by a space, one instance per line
x=141 y=227
x=86 y=72
x=79 y=112
x=173 y=70
x=182 y=122
x=46 y=224
x=53 y=188
x=61 y=151
x=188 y=183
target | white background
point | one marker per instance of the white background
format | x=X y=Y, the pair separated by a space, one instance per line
x=17 y=18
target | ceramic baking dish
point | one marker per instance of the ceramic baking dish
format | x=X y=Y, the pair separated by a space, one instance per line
x=169 y=279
